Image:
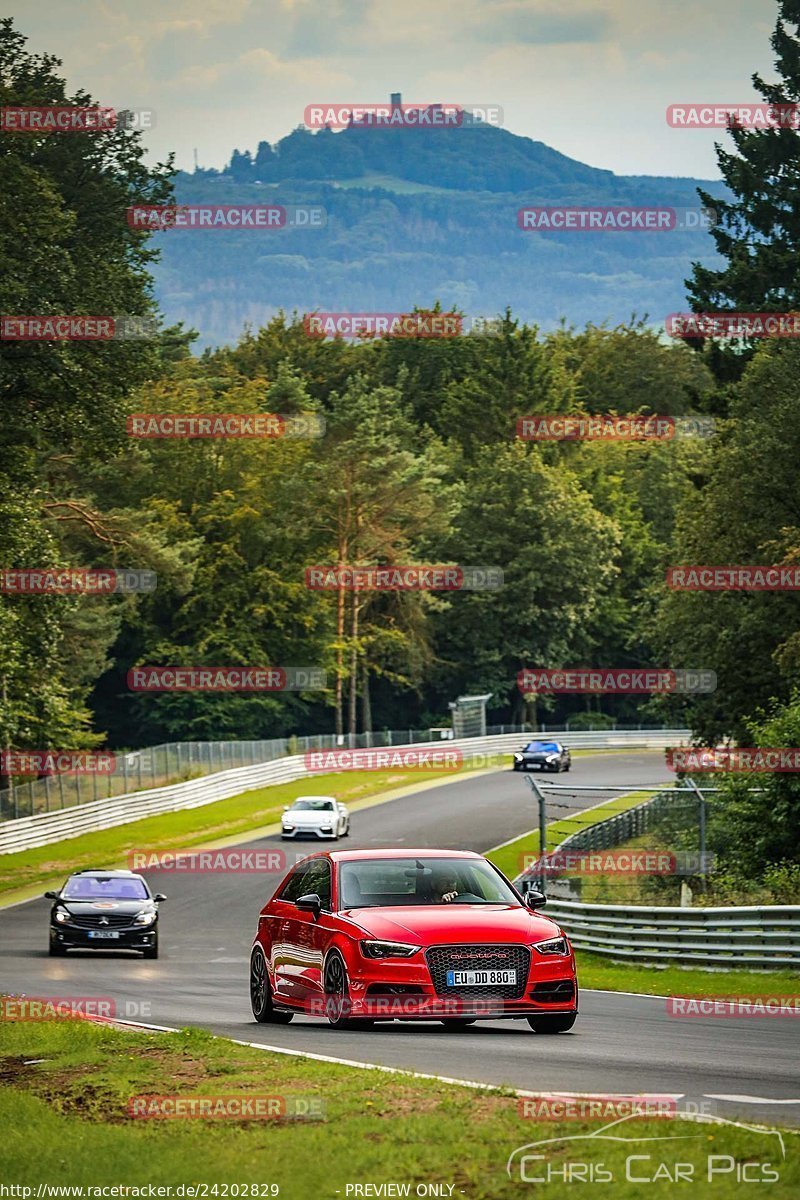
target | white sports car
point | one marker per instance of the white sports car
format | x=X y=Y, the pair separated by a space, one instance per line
x=315 y=816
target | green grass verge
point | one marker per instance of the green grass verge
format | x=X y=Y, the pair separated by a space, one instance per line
x=597 y=971
x=197 y=826
x=509 y=857
x=65 y=1122
x=211 y=823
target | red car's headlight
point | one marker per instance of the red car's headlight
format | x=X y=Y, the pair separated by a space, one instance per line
x=387 y=949
x=553 y=946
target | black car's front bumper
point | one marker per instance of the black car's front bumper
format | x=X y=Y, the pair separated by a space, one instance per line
x=130 y=938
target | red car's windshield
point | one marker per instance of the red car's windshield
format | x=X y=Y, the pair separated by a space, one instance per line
x=387 y=882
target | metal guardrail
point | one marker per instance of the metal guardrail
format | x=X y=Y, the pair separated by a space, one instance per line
x=748 y=936
x=24 y=833
x=752 y=936
x=175 y=762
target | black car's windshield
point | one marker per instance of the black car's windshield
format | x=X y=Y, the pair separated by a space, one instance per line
x=549 y=747
x=386 y=882
x=314 y=805
x=104 y=887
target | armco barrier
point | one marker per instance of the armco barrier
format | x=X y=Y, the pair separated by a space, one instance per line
x=24 y=833
x=756 y=936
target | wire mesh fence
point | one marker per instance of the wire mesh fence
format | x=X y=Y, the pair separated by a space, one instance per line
x=174 y=762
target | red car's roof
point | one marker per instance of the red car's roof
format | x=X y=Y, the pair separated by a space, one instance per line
x=346 y=855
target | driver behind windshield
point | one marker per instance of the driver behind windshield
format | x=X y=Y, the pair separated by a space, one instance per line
x=444 y=888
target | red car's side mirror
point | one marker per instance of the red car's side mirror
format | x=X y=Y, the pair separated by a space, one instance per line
x=310 y=903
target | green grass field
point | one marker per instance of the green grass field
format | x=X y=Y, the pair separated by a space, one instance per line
x=597 y=971
x=66 y=1086
x=204 y=826
x=226 y=820
x=509 y=858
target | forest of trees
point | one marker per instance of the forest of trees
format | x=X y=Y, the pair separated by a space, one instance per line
x=419 y=463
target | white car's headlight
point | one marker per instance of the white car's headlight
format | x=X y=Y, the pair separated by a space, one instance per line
x=62 y=916
x=288 y=825
x=553 y=946
x=145 y=918
x=388 y=949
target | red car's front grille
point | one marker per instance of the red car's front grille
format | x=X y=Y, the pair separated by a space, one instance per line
x=492 y=957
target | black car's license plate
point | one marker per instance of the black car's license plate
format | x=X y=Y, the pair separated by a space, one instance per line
x=103 y=933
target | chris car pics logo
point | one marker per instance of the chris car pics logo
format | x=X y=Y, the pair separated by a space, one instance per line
x=704 y=1151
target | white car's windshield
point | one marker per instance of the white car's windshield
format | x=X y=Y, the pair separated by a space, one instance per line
x=314 y=805
x=387 y=882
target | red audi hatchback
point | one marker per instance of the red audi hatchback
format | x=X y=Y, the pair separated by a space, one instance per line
x=375 y=935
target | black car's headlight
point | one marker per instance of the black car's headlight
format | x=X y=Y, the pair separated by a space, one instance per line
x=62 y=916
x=387 y=949
x=553 y=946
x=518 y=757
x=145 y=918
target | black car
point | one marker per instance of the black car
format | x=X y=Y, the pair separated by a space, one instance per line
x=543 y=756
x=103 y=910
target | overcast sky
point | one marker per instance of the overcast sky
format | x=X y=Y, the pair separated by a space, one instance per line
x=592 y=78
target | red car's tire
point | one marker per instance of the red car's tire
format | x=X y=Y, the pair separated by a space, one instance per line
x=338 y=1005
x=261 y=992
x=553 y=1022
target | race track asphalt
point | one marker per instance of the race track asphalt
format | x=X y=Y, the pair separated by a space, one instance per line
x=620 y=1044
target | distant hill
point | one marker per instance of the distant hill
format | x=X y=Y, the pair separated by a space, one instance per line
x=415 y=216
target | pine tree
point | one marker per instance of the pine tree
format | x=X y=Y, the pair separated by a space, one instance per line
x=758 y=231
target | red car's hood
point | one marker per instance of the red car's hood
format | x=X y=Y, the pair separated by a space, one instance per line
x=430 y=926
